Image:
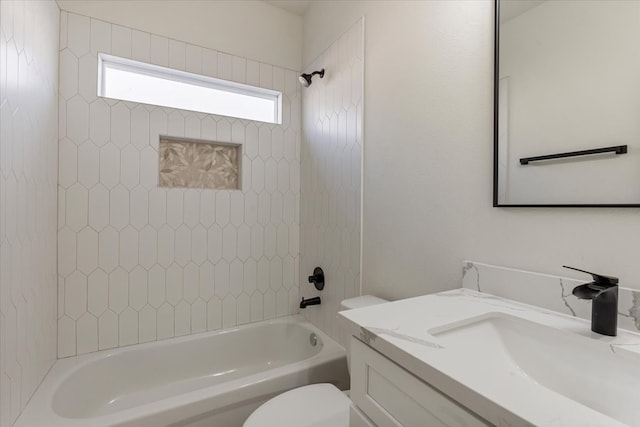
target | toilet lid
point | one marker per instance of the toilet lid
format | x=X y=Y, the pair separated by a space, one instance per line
x=316 y=405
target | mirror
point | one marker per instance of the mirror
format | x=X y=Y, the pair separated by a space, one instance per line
x=567 y=103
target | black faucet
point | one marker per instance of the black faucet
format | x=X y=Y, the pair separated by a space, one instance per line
x=310 y=301
x=603 y=292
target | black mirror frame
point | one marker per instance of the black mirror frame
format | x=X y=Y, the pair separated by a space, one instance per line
x=496 y=74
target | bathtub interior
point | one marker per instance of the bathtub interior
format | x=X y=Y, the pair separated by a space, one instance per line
x=139 y=376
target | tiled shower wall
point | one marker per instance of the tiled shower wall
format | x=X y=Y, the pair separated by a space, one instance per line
x=330 y=206
x=137 y=262
x=28 y=169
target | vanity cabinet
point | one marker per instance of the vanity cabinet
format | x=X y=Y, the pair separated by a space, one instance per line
x=358 y=419
x=386 y=395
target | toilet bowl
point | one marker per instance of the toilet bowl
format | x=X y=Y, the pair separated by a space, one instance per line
x=315 y=405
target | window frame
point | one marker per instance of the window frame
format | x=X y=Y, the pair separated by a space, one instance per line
x=151 y=70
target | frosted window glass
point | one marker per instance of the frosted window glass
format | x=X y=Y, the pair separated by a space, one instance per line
x=148 y=84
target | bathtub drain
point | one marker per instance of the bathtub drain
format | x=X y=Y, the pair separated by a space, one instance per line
x=313 y=339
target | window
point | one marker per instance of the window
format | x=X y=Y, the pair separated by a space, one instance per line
x=128 y=80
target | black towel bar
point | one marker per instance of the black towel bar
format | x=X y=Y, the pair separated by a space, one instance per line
x=618 y=149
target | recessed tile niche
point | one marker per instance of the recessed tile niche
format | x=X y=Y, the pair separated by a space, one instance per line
x=197 y=163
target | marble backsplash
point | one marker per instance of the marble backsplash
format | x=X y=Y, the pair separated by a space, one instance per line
x=546 y=291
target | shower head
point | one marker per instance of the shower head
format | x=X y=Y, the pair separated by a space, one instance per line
x=305 y=79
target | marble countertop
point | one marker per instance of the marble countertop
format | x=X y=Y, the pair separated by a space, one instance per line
x=402 y=331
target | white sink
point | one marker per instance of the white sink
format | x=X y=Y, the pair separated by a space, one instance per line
x=580 y=368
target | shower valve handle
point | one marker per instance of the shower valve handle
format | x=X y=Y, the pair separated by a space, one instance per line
x=318 y=278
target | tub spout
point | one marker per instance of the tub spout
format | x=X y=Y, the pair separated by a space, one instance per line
x=310 y=301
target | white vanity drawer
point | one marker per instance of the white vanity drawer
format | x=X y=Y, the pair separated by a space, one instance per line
x=391 y=396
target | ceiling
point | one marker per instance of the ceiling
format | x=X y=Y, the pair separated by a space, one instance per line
x=298 y=7
x=509 y=9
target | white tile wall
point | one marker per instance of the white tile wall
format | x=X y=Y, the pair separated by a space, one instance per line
x=330 y=208
x=28 y=169
x=137 y=262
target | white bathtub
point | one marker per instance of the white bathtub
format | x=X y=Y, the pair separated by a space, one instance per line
x=214 y=379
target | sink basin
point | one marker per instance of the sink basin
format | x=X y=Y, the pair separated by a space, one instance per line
x=580 y=368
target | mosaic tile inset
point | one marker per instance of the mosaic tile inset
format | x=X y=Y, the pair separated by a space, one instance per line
x=198 y=164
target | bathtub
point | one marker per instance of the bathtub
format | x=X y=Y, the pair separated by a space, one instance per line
x=213 y=379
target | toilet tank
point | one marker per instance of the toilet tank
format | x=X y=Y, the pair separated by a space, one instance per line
x=361 y=301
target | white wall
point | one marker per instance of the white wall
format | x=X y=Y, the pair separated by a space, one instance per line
x=330 y=185
x=137 y=262
x=428 y=157
x=572 y=70
x=28 y=205
x=252 y=29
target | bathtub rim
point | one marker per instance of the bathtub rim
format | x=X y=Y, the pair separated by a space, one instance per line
x=39 y=411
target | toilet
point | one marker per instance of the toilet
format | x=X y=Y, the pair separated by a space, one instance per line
x=315 y=405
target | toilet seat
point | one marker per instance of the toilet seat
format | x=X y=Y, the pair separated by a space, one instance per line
x=316 y=405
